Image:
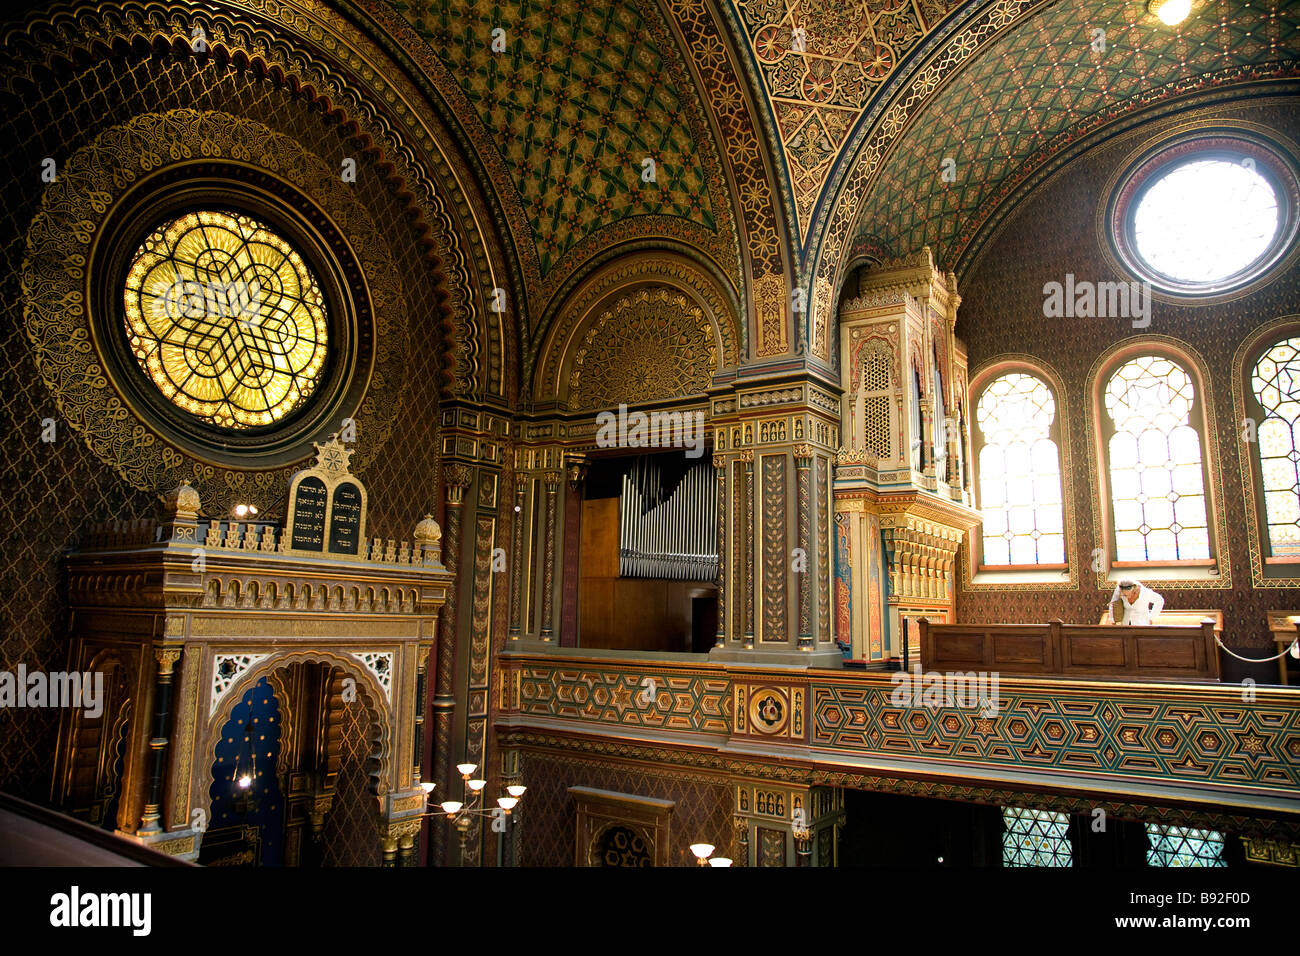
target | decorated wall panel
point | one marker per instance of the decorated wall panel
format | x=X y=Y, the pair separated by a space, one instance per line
x=1002 y=311
x=78 y=105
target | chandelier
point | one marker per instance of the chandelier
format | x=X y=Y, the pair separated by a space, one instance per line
x=461 y=813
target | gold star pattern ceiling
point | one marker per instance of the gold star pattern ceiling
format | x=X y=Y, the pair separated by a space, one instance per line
x=821 y=63
x=1037 y=90
x=585 y=104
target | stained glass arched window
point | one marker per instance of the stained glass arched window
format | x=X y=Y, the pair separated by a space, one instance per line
x=1157 y=482
x=1019 y=473
x=1275 y=383
x=1171 y=845
x=226 y=319
x=1035 y=838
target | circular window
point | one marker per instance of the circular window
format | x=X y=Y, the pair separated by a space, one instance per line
x=233 y=316
x=226 y=319
x=1205 y=216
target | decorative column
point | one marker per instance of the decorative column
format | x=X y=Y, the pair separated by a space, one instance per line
x=781 y=432
x=747 y=456
x=457 y=478
x=518 y=564
x=167 y=657
x=575 y=471
x=720 y=467
x=741 y=826
x=552 y=480
x=421 y=693
x=510 y=776
x=803 y=461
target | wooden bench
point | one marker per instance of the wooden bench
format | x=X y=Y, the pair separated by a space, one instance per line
x=1057 y=649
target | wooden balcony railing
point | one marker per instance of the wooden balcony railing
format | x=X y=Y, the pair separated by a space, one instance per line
x=1188 y=741
x=1186 y=652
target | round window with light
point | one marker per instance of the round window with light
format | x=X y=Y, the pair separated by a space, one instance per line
x=226 y=319
x=1206 y=216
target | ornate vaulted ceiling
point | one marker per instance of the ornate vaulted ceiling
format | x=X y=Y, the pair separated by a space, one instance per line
x=567 y=114
x=821 y=63
x=1039 y=89
x=790 y=135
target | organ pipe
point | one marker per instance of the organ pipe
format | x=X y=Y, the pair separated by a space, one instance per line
x=668 y=534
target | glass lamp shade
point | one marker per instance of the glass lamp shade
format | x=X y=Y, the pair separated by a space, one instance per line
x=719 y=861
x=477 y=785
x=1171 y=12
x=466 y=768
x=516 y=790
x=507 y=803
x=427 y=787
x=701 y=850
x=450 y=807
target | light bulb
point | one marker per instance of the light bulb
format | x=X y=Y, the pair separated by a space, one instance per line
x=1170 y=12
x=245 y=782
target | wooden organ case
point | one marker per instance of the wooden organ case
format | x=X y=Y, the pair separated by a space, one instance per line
x=182 y=616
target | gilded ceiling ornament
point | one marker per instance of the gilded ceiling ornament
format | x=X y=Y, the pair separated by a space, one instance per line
x=662 y=268
x=651 y=344
x=323 y=56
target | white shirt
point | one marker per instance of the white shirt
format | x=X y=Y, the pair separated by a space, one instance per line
x=1145 y=609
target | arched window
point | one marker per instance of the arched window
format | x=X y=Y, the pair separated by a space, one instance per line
x=1275 y=387
x=1155 y=463
x=1019 y=473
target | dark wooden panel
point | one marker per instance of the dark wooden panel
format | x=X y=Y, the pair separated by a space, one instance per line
x=1074 y=650
x=1181 y=653
x=1019 y=648
x=1101 y=650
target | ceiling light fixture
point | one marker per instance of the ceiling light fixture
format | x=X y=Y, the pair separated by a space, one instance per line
x=1170 y=12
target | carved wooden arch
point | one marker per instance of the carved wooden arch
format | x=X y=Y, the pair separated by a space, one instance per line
x=623 y=275
x=368 y=689
x=347 y=93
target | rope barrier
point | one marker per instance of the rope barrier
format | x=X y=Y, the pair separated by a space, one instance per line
x=1256 y=660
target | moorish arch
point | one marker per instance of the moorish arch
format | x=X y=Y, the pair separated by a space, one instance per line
x=635 y=305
